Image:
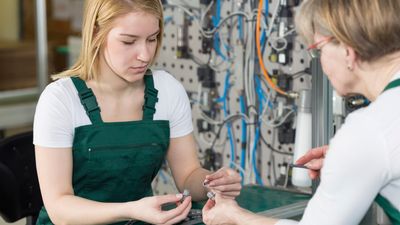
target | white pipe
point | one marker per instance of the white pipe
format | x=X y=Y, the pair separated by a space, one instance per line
x=41 y=40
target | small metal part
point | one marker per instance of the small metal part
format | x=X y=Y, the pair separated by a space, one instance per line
x=211 y=195
x=293 y=94
x=185 y=194
x=298 y=166
x=357 y=102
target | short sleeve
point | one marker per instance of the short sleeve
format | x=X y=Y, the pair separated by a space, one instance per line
x=173 y=104
x=53 y=125
x=180 y=113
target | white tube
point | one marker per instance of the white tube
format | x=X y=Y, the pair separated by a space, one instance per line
x=303 y=139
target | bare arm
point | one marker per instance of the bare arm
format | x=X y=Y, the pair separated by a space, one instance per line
x=185 y=166
x=54 y=167
x=188 y=173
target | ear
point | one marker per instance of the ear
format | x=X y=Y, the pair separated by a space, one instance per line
x=351 y=57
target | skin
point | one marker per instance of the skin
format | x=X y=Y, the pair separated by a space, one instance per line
x=349 y=75
x=130 y=47
x=314 y=160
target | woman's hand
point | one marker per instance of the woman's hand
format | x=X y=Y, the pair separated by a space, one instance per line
x=314 y=160
x=151 y=209
x=220 y=211
x=224 y=181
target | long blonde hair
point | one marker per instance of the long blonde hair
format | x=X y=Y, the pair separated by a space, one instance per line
x=99 y=16
x=370 y=27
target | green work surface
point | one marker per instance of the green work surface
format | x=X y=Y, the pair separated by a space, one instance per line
x=260 y=199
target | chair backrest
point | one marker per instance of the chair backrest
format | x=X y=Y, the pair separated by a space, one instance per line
x=19 y=187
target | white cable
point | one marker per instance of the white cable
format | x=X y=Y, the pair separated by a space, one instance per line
x=187 y=11
x=280 y=40
x=238 y=13
x=277 y=123
x=277 y=41
x=203 y=15
x=274 y=15
x=228 y=119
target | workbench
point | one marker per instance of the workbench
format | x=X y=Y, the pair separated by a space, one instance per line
x=266 y=201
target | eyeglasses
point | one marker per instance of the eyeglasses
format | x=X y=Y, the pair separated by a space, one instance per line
x=315 y=49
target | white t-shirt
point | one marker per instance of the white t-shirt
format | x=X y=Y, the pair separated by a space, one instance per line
x=363 y=160
x=59 y=111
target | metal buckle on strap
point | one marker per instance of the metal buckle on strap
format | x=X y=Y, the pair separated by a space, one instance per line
x=150 y=100
x=151 y=92
x=149 y=108
x=88 y=100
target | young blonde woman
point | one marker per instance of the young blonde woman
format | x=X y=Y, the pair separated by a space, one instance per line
x=358 y=43
x=103 y=129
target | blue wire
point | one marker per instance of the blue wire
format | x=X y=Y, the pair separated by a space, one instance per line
x=264 y=37
x=263 y=40
x=216 y=19
x=167 y=19
x=224 y=100
x=262 y=99
x=244 y=137
x=163 y=177
x=261 y=93
x=228 y=125
x=240 y=25
x=258 y=177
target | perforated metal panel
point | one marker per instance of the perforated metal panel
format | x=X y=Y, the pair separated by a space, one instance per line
x=269 y=163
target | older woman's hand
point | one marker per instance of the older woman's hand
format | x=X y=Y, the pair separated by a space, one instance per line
x=220 y=211
x=314 y=160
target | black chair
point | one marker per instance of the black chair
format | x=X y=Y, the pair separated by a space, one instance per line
x=19 y=188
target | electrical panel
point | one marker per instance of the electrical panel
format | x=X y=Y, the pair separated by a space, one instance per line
x=243 y=85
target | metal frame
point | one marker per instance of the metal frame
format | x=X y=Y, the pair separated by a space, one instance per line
x=287 y=211
x=321 y=108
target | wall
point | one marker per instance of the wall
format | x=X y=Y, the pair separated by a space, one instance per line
x=9 y=20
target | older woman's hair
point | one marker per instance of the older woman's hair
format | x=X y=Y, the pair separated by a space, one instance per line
x=371 y=27
x=98 y=20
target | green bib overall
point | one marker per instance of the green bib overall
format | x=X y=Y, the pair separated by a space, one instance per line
x=390 y=210
x=116 y=161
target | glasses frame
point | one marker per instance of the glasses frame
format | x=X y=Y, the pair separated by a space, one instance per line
x=315 y=49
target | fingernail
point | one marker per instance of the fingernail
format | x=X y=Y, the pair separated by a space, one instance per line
x=179 y=195
x=206 y=182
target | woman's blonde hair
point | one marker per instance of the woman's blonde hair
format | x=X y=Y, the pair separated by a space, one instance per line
x=98 y=20
x=371 y=27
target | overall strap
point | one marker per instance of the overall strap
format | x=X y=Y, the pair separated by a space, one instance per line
x=392 y=84
x=389 y=209
x=88 y=100
x=150 y=96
